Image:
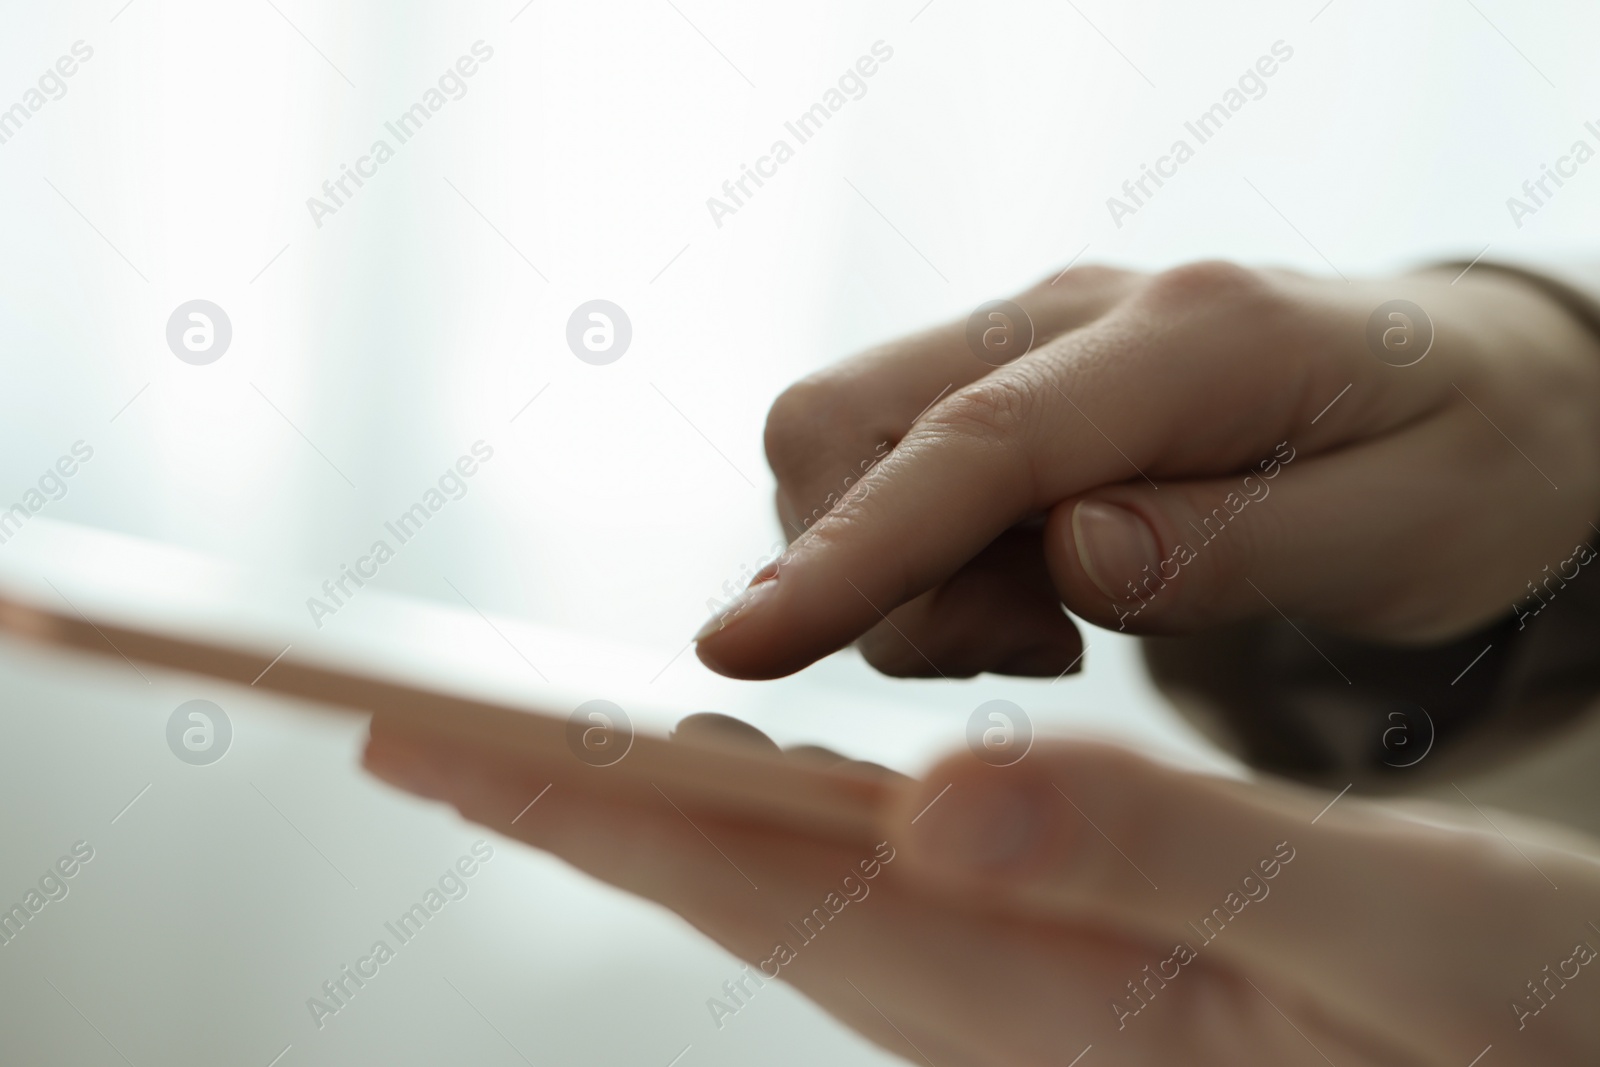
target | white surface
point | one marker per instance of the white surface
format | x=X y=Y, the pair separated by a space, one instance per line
x=219 y=898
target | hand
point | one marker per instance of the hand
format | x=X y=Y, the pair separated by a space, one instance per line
x=1012 y=917
x=1179 y=450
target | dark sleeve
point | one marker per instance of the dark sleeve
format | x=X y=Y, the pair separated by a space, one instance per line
x=1331 y=711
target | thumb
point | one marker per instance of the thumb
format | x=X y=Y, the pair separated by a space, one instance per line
x=1358 y=905
x=1143 y=560
x=1091 y=831
x=1341 y=539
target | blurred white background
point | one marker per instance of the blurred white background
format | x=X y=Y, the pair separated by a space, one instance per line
x=371 y=351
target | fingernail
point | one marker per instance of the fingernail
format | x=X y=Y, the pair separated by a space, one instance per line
x=761 y=588
x=714 y=728
x=981 y=832
x=1115 y=546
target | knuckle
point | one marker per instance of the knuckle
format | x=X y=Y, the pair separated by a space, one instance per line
x=1209 y=282
x=997 y=408
x=1092 y=277
x=803 y=417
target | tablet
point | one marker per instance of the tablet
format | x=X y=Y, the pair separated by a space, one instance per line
x=428 y=670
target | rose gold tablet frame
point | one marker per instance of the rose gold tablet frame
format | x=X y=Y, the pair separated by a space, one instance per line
x=755 y=786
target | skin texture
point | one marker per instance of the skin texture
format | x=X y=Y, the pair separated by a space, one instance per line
x=1006 y=924
x=1415 y=508
x=943 y=512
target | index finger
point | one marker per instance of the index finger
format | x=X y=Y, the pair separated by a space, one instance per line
x=959 y=479
x=824 y=430
x=1133 y=395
